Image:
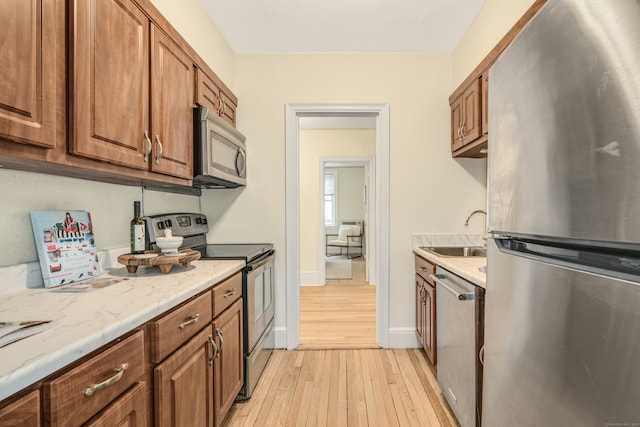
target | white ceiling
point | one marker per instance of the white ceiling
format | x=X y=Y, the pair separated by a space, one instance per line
x=296 y=26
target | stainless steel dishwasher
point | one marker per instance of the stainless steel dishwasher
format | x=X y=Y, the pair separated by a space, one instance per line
x=459 y=312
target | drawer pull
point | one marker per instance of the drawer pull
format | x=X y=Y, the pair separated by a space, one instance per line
x=230 y=293
x=219 y=334
x=193 y=319
x=114 y=379
x=215 y=350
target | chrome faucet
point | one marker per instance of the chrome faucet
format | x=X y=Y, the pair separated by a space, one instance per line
x=466 y=223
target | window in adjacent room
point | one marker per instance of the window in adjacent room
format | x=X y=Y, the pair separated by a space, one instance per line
x=330 y=199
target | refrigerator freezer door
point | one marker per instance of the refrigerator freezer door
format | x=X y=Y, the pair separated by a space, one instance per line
x=561 y=346
x=564 y=111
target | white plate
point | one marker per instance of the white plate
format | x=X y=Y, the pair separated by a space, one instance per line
x=145 y=256
x=174 y=254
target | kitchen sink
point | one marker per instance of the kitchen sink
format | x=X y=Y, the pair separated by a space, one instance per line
x=457 y=251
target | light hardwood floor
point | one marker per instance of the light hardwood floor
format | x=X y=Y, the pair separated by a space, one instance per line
x=341 y=314
x=365 y=387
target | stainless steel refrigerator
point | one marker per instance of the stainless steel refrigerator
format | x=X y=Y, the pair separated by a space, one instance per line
x=562 y=325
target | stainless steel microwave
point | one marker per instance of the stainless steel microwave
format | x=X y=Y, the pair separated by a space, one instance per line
x=220 y=153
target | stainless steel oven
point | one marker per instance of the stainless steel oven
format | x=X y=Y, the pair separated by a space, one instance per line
x=258 y=285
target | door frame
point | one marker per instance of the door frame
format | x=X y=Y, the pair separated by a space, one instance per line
x=368 y=164
x=292 y=210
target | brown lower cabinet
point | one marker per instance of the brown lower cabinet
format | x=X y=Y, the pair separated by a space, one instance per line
x=426 y=307
x=184 y=384
x=184 y=368
x=24 y=411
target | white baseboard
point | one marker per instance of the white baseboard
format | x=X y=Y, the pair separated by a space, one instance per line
x=309 y=278
x=280 y=335
x=403 y=338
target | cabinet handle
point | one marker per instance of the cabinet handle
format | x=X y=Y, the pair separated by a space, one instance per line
x=149 y=144
x=462 y=126
x=231 y=293
x=193 y=319
x=459 y=125
x=481 y=355
x=219 y=334
x=215 y=350
x=114 y=379
x=220 y=104
x=159 y=152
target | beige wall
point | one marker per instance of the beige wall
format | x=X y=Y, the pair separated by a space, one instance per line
x=314 y=145
x=430 y=192
x=111 y=208
x=193 y=22
x=493 y=21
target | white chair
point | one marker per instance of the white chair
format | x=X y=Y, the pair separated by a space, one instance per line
x=349 y=237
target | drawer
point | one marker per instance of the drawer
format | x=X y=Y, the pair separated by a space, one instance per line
x=176 y=327
x=226 y=293
x=75 y=396
x=130 y=409
x=424 y=268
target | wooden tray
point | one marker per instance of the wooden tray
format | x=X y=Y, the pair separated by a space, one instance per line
x=164 y=262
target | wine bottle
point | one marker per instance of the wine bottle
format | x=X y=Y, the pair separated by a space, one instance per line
x=138 y=236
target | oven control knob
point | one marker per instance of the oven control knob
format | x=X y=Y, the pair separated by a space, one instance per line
x=161 y=225
x=198 y=220
x=204 y=220
x=167 y=223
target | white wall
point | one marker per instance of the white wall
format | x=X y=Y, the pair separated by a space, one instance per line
x=314 y=145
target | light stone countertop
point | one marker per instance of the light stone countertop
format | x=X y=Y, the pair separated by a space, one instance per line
x=465 y=267
x=86 y=321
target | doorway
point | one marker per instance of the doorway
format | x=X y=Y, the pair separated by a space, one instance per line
x=377 y=245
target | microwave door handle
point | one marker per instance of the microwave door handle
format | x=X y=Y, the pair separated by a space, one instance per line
x=240 y=169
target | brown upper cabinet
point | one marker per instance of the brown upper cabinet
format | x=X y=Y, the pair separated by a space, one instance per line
x=28 y=46
x=131 y=94
x=466 y=117
x=469 y=102
x=213 y=94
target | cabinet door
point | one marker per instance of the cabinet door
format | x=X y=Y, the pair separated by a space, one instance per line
x=183 y=385
x=429 y=307
x=172 y=94
x=228 y=365
x=211 y=95
x=130 y=409
x=471 y=107
x=28 y=52
x=456 y=122
x=23 y=412
x=110 y=82
x=420 y=309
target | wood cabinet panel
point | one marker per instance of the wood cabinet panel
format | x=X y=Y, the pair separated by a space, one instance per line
x=109 y=373
x=226 y=293
x=172 y=96
x=183 y=385
x=228 y=364
x=177 y=326
x=471 y=109
x=130 y=409
x=110 y=94
x=28 y=49
x=23 y=412
x=212 y=95
x=426 y=307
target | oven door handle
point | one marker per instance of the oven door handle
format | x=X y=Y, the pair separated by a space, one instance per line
x=257 y=265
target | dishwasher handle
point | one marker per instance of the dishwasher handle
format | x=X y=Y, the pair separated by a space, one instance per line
x=442 y=279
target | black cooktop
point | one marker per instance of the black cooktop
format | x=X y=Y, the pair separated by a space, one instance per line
x=246 y=251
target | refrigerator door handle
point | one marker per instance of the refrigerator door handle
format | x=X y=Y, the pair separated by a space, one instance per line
x=440 y=278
